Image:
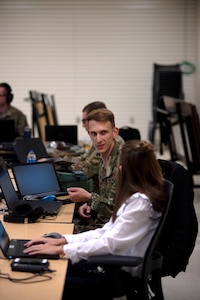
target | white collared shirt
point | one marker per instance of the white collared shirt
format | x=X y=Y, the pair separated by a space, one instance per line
x=130 y=234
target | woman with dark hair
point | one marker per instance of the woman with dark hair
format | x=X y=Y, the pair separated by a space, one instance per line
x=138 y=206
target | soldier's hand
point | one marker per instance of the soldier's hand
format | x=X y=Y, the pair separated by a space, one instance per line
x=78 y=194
x=84 y=211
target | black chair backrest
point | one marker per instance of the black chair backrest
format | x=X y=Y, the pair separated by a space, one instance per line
x=190 y=132
x=152 y=255
x=129 y=133
x=180 y=231
x=167 y=80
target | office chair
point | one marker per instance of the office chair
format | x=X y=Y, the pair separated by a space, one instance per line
x=167 y=80
x=43 y=112
x=148 y=268
x=169 y=125
x=181 y=227
x=190 y=133
x=50 y=109
x=129 y=133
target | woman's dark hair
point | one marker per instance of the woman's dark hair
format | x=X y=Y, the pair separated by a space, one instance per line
x=139 y=172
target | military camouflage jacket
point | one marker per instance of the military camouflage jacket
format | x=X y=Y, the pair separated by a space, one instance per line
x=90 y=163
x=102 y=203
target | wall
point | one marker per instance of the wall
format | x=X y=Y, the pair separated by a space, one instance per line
x=87 y=50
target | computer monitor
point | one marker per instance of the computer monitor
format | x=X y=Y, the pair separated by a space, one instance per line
x=7 y=130
x=65 y=133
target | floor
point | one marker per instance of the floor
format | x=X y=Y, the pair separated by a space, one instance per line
x=187 y=284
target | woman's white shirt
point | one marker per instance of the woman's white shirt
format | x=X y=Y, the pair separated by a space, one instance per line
x=130 y=234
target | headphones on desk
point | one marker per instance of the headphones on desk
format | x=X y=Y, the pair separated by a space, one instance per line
x=9 y=96
x=23 y=213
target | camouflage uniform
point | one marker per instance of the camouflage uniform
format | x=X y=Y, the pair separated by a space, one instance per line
x=102 y=203
x=19 y=118
x=90 y=163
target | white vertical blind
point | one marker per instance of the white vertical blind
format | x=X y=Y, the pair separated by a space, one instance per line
x=86 y=50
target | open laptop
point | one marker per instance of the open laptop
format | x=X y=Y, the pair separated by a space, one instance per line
x=13 y=248
x=65 y=133
x=22 y=147
x=7 y=134
x=37 y=180
x=51 y=208
x=3 y=166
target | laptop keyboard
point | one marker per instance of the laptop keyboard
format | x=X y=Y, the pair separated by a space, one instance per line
x=41 y=195
x=16 y=247
x=6 y=146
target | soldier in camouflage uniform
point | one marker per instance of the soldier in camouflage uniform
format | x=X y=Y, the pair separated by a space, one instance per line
x=97 y=209
x=7 y=111
x=90 y=161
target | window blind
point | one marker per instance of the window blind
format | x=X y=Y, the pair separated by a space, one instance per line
x=87 y=50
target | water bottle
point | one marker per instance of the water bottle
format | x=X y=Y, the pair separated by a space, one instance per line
x=31 y=157
x=27 y=132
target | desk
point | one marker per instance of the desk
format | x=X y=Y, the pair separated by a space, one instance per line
x=51 y=289
x=65 y=214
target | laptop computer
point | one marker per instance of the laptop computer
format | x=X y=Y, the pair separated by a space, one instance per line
x=51 y=208
x=37 y=180
x=7 y=130
x=3 y=166
x=13 y=248
x=65 y=133
x=7 y=134
x=22 y=147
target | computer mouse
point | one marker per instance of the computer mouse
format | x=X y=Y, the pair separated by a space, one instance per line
x=49 y=198
x=54 y=235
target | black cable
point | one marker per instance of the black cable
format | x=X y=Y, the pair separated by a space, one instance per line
x=25 y=279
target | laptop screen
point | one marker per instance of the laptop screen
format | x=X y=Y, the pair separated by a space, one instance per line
x=22 y=147
x=7 y=130
x=65 y=133
x=4 y=240
x=36 y=178
x=8 y=190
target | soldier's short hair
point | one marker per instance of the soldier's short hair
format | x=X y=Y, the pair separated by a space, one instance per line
x=102 y=115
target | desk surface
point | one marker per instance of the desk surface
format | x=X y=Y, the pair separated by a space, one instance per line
x=51 y=289
x=65 y=214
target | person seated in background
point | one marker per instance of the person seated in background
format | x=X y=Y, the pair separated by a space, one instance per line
x=7 y=111
x=138 y=207
x=98 y=207
x=89 y=162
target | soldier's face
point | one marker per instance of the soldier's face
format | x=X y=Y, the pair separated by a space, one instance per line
x=103 y=136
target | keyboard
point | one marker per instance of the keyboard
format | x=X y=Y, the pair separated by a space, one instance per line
x=6 y=146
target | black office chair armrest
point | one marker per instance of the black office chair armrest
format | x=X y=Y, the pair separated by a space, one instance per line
x=117 y=260
x=120 y=260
